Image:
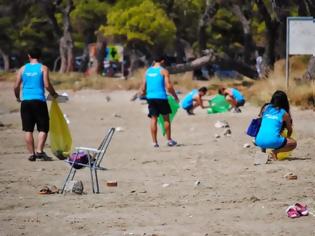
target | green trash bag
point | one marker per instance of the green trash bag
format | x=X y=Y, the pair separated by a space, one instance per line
x=59 y=133
x=218 y=104
x=174 y=107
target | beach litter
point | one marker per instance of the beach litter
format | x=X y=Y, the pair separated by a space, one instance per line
x=221 y=124
x=74 y=186
x=246 y=145
x=119 y=129
x=112 y=183
x=227 y=132
x=291 y=176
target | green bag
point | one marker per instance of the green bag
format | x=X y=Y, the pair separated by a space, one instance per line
x=174 y=107
x=218 y=104
x=59 y=133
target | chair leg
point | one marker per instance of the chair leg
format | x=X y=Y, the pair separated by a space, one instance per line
x=74 y=172
x=96 y=180
x=67 y=179
x=91 y=172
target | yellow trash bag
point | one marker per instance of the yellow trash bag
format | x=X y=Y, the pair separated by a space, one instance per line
x=59 y=133
x=284 y=155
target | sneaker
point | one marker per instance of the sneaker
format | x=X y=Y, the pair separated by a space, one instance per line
x=156 y=145
x=32 y=158
x=190 y=112
x=42 y=156
x=236 y=110
x=171 y=143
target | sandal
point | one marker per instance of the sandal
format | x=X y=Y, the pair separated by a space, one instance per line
x=45 y=190
x=301 y=208
x=292 y=212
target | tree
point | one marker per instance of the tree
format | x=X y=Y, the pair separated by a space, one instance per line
x=86 y=18
x=143 y=25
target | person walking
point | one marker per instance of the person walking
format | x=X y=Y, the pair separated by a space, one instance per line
x=156 y=83
x=34 y=78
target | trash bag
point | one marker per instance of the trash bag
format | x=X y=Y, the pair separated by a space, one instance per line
x=174 y=107
x=218 y=104
x=59 y=133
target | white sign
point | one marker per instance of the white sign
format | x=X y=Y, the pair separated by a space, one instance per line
x=301 y=35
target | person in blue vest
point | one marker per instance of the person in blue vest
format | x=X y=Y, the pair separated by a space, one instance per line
x=155 y=87
x=234 y=97
x=276 y=117
x=193 y=100
x=34 y=79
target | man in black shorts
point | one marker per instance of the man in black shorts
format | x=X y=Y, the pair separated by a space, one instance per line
x=156 y=82
x=34 y=79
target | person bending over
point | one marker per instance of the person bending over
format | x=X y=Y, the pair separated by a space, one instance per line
x=275 y=118
x=193 y=100
x=234 y=97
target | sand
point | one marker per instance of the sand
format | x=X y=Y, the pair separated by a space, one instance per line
x=157 y=191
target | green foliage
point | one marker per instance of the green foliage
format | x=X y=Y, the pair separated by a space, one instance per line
x=145 y=22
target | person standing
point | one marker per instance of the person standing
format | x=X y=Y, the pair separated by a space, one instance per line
x=34 y=79
x=193 y=100
x=156 y=83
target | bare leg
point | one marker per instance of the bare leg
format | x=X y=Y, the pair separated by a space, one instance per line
x=167 y=125
x=231 y=100
x=154 y=128
x=291 y=144
x=42 y=136
x=29 y=142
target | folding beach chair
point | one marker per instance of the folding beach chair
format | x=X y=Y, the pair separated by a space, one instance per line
x=95 y=157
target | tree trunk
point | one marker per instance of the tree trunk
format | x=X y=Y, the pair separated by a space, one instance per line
x=310 y=73
x=281 y=12
x=66 y=42
x=6 y=60
x=271 y=33
x=248 y=41
x=180 y=50
x=100 y=52
x=212 y=58
x=205 y=20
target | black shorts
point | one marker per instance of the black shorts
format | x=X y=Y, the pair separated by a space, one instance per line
x=283 y=144
x=34 y=112
x=158 y=106
x=240 y=103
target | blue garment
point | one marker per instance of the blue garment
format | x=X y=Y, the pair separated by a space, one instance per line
x=237 y=95
x=33 y=83
x=269 y=135
x=155 y=84
x=188 y=100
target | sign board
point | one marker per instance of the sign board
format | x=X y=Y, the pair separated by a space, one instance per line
x=300 y=39
x=301 y=32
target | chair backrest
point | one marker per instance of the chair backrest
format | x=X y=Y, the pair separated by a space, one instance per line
x=103 y=147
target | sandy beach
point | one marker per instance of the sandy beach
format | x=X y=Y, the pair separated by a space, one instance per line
x=157 y=192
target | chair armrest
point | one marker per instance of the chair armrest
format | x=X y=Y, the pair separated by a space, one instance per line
x=88 y=149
